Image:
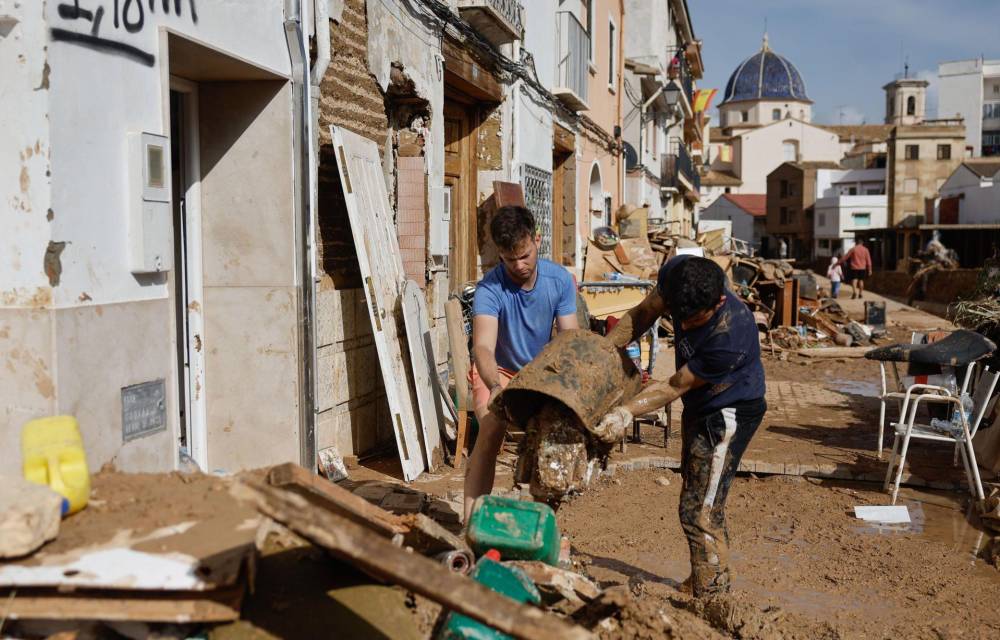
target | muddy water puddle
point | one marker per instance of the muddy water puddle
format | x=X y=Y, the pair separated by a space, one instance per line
x=866 y=388
x=940 y=517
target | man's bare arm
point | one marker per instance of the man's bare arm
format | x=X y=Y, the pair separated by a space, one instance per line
x=638 y=320
x=659 y=394
x=484 y=344
x=567 y=323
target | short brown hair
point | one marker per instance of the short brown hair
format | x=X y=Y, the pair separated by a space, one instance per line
x=510 y=226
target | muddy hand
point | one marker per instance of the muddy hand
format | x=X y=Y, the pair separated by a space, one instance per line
x=612 y=426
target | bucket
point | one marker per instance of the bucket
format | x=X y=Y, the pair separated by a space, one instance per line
x=53 y=455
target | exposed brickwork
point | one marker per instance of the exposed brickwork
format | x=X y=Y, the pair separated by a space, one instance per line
x=351 y=98
x=411 y=216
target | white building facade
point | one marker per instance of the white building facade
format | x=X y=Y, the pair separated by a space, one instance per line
x=847 y=201
x=970 y=89
x=971 y=195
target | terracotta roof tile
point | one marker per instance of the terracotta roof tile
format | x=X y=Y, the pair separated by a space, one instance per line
x=753 y=203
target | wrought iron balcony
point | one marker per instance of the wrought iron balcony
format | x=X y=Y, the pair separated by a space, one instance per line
x=499 y=21
x=678 y=171
x=572 y=66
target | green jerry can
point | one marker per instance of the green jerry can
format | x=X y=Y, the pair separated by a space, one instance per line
x=508 y=581
x=518 y=530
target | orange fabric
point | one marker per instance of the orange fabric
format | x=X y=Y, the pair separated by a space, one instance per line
x=859 y=258
x=481 y=394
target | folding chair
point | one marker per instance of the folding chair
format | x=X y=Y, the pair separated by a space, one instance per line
x=895 y=393
x=959 y=435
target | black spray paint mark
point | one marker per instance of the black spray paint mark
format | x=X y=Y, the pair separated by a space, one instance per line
x=103 y=44
x=133 y=26
x=74 y=12
x=97 y=21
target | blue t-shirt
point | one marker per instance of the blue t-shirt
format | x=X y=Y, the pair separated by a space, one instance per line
x=724 y=352
x=525 y=317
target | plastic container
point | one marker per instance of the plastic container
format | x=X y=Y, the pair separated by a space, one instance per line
x=53 y=455
x=518 y=530
x=508 y=581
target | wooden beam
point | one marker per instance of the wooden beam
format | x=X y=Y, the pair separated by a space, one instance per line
x=382 y=560
x=220 y=605
x=327 y=495
x=465 y=73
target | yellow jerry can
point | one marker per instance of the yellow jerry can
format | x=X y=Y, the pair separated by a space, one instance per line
x=53 y=455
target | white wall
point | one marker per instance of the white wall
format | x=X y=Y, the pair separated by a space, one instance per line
x=980 y=203
x=24 y=161
x=762 y=112
x=833 y=215
x=960 y=92
x=760 y=151
x=833 y=182
x=97 y=97
x=742 y=222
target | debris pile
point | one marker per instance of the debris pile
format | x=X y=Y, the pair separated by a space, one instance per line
x=981 y=312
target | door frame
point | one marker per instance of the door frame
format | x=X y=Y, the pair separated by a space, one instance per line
x=464 y=208
x=190 y=274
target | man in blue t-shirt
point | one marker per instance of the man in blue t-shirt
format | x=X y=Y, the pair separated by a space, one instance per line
x=516 y=304
x=720 y=380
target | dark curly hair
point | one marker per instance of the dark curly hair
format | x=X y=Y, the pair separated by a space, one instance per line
x=510 y=226
x=696 y=284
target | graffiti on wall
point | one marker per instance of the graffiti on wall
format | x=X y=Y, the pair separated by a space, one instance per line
x=83 y=25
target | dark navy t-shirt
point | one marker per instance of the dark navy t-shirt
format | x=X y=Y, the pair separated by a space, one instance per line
x=724 y=352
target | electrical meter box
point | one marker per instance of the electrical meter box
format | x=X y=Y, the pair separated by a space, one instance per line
x=150 y=222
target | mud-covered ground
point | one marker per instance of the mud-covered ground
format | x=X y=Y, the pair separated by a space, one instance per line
x=803 y=566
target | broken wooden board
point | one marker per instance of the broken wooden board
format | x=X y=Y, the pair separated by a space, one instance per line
x=458 y=346
x=414 y=530
x=382 y=275
x=422 y=370
x=382 y=560
x=220 y=605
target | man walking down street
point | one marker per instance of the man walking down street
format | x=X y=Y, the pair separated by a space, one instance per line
x=720 y=380
x=859 y=267
x=515 y=306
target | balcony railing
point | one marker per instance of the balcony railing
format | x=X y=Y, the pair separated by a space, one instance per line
x=498 y=20
x=680 y=72
x=573 y=62
x=677 y=170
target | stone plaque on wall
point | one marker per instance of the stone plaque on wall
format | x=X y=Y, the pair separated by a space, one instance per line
x=144 y=409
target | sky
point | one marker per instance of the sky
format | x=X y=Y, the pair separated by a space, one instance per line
x=846 y=50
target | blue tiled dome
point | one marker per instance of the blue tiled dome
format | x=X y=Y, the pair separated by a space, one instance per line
x=765 y=75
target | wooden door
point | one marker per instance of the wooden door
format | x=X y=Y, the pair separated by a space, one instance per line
x=460 y=182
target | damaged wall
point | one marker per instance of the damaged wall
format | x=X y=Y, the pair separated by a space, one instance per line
x=352 y=413
x=76 y=325
x=27 y=388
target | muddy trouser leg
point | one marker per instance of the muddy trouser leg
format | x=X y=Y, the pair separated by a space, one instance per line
x=711 y=451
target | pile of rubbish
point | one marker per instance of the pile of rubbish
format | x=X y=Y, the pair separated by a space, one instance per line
x=981 y=312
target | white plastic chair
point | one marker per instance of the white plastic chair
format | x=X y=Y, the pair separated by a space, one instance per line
x=896 y=393
x=907 y=428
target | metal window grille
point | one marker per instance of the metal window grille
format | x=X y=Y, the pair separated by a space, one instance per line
x=537 y=184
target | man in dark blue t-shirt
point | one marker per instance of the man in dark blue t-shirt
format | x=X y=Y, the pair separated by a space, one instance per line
x=720 y=380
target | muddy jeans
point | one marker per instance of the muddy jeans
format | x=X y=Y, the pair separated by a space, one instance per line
x=712 y=447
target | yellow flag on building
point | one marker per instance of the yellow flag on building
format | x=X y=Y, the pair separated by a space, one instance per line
x=703 y=99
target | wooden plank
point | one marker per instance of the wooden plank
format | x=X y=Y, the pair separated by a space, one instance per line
x=222 y=605
x=417 y=530
x=463 y=72
x=374 y=231
x=329 y=496
x=460 y=364
x=382 y=560
x=422 y=371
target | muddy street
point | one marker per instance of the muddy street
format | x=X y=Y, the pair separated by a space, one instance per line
x=803 y=565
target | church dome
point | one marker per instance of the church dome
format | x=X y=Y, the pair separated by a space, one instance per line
x=765 y=76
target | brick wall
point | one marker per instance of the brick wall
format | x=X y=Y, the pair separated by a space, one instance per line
x=351 y=404
x=411 y=216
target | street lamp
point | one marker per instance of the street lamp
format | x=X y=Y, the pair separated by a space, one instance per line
x=672 y=94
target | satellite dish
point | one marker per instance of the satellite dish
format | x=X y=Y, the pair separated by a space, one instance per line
x=631 y=157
